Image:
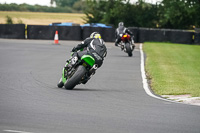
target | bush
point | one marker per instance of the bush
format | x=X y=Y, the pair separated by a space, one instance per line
x=9 y=20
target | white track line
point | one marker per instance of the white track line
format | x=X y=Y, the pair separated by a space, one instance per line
x=15 y=131
x=144 y=78
x=145 y=83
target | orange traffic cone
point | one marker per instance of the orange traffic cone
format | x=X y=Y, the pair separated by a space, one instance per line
x=56 y=38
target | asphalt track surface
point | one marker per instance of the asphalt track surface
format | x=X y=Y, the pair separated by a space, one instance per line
x=113 y=101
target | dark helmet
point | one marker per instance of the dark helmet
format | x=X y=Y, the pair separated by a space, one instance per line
x=121 y=24
x=95 y=35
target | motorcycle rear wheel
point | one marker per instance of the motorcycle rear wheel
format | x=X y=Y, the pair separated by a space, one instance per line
x=128 y=49
x=75 y=78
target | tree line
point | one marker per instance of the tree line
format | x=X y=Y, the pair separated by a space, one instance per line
x=173 y=14
x=77 y=7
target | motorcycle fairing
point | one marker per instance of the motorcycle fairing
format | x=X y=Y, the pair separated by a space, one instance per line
x=88 y=59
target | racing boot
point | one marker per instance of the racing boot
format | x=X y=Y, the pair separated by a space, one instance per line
x=116 y=44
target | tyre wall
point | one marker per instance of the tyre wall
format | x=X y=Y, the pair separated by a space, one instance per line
x=17 y=31
x=107 y=34
x=12 y=31
x=155 y=35
x=48 y=32
x=180 y=36
x=197 y=38
x=165 y=35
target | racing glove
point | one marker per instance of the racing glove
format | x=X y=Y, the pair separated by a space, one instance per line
x=74 y=49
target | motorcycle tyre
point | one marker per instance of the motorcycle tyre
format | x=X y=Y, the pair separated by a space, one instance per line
x=75 y=79
x=60 y=84
x=128 y=50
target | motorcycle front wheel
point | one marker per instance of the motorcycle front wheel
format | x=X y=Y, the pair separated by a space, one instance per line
x=75 y=78
x=60 y=83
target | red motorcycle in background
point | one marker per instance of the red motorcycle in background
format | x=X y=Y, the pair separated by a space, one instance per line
x=127 y=44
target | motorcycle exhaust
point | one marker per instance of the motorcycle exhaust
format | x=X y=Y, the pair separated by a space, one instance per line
x=93 y=69
x=95 y=66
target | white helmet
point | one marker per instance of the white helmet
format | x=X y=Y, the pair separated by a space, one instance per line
x=95 y=35
x=121 y=24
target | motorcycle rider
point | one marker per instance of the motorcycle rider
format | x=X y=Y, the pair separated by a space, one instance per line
x=120 y=31
x=94 y=46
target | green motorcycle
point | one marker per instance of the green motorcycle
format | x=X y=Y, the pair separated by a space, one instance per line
x=77 y=71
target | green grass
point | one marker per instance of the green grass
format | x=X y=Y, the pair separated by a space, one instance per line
x=173 y=69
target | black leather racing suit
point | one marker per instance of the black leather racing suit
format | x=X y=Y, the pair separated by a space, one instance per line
x=94 y=47
x=119 y=32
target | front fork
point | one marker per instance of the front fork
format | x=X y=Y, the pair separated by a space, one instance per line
x=69 y=64
x=64 y=71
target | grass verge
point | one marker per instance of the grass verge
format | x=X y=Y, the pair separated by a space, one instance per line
x=173 y=69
